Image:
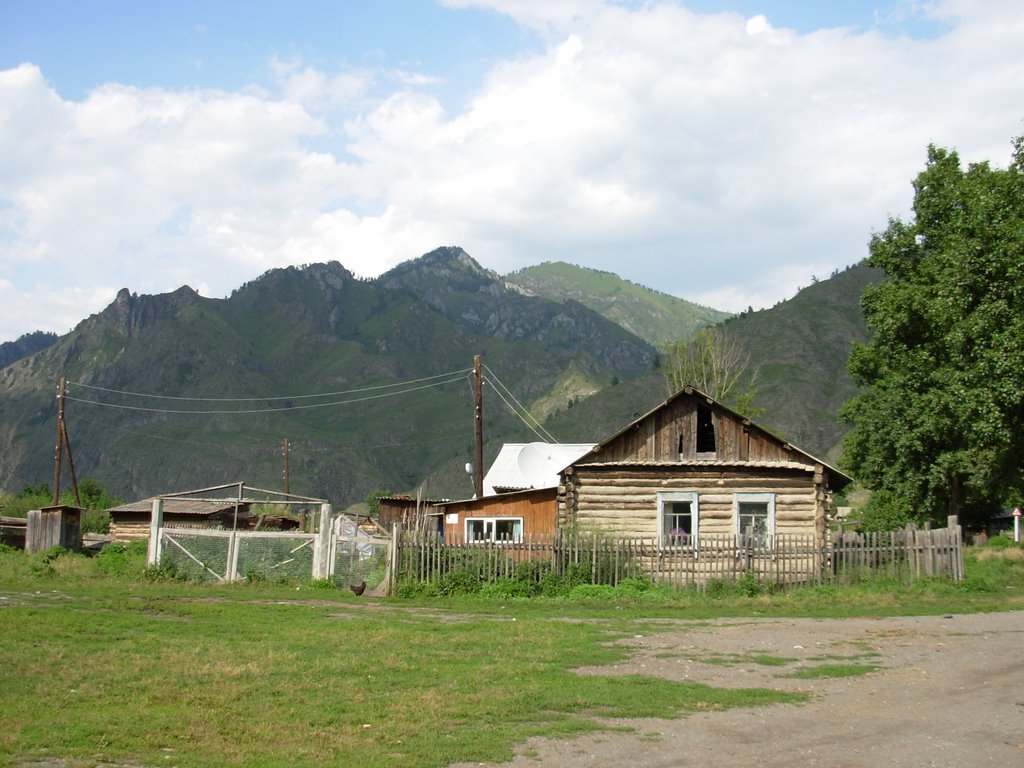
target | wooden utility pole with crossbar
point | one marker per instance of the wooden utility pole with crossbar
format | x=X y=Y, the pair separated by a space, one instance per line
x=478 y=427
x=62 y=445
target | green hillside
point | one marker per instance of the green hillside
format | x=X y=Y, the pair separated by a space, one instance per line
x=318 y=330
x=290 y=334
x=798 y=347
x=658 y=318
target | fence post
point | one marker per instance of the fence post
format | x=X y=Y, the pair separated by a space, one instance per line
x=322 y=543
x=956 y=554
x=156 y=522
x=395 y=555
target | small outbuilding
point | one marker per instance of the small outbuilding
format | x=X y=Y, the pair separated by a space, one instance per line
x=520 y=495
x=132 y=521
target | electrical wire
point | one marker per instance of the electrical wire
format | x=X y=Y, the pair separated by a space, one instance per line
x=250 y=411
x=548 y=438
x=266 y=399
x=439 y=436
x=516 y=413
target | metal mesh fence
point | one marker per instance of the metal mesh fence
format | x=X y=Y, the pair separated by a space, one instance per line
x=360 y=560
x=196 y=554
x=275 y=557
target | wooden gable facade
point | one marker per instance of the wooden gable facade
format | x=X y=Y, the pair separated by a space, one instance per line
x=692 y=466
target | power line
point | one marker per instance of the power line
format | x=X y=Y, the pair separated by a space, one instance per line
x=266 y=399
x=516 y=413
x=547 y=436
x=249 y=411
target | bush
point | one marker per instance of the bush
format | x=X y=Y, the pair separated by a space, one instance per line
x=632 y=587
x=459 y=582
x=123 y=560
x=414 y=589
x=1000 y=542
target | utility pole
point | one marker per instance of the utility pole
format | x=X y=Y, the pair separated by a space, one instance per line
x=285 y=448
x=62 y=444
x=478 y=427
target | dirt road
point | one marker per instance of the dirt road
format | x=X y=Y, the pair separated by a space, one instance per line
x=948 y=691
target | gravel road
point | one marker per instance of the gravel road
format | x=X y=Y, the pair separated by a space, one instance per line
x=948 y=691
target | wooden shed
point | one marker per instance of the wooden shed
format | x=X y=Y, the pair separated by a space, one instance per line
x=507 y=517
x=692 y=466
x=410 y=512
x=132 y=521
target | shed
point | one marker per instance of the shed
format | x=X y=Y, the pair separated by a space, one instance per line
x=411 y=512
x=693 y=466
x=508 y=516
x=132 y=521
x=520 y=494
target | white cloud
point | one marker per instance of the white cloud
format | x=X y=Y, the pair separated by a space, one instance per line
x=714 y=156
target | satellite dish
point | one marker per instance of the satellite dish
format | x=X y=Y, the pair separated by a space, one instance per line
x=535 y=465
x=469 y=468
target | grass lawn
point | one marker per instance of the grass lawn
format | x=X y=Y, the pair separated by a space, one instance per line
x=103 y=666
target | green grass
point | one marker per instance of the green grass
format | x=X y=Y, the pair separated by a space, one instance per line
x=103 y=665
x=832 y=670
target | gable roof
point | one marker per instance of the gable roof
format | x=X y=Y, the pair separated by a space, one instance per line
x=838 y=479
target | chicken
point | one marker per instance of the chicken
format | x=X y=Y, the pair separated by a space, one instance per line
x=358 y=588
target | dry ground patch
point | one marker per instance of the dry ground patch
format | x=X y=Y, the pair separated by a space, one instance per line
x=947 y=691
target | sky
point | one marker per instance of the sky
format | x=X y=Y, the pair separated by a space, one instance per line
x=725 y=152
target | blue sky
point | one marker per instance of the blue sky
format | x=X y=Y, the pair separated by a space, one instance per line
x=722 y=152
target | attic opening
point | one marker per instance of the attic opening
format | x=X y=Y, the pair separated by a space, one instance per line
x=705 y=429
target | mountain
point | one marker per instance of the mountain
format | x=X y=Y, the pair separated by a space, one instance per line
x=658 y=318
x=799 y=350
x=288 y=335
x=28 y=344
x=296 y=332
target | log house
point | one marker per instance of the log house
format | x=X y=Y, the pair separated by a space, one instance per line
x=692 y=466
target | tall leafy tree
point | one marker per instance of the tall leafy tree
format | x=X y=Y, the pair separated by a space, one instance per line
x=938 y=426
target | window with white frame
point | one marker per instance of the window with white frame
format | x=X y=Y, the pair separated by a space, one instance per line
x=678 y=517
x=494 y=529
x=754 y=513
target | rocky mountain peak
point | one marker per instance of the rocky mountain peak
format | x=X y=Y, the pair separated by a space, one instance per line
x=132 y=313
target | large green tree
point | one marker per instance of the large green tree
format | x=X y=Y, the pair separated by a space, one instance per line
x=938 y=425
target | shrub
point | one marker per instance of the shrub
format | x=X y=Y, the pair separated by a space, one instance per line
x=632 y=587
x=122 y=560
x=414 y=589
x=1000 y=542
x=458 y=582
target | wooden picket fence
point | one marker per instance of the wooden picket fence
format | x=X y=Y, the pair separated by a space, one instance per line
x=785 y=560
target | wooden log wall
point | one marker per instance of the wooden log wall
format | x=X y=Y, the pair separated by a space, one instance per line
x=625 y=501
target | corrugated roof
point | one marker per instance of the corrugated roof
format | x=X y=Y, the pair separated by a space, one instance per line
x=180 y=507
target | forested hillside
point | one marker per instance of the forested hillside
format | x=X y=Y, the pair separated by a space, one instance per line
x=367 y=380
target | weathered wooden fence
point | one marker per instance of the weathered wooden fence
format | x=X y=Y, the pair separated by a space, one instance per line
x=785 y=560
